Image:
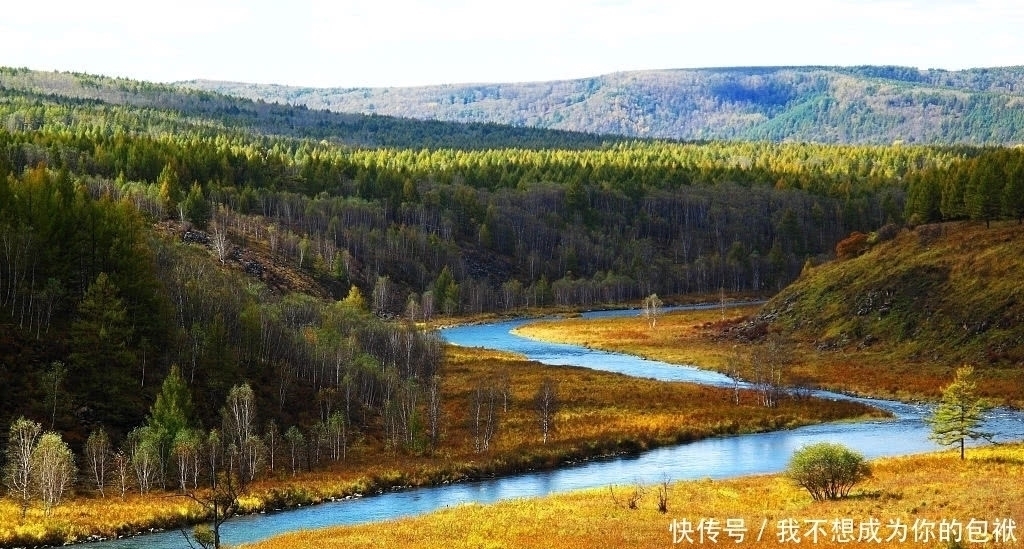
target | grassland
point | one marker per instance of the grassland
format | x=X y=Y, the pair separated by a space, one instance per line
x=600 y=414
x=920 y=489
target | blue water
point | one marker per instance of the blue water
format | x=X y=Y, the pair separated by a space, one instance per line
x=732 y=456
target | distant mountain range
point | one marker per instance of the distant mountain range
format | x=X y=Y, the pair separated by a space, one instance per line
x=866 y=104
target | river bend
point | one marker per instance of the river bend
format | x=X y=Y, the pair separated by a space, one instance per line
x=731 y=456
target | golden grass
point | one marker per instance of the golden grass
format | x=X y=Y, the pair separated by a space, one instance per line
x=680 y=337
x=695 y=337
x=84 y=516
x=931 y=488
x=601 y=413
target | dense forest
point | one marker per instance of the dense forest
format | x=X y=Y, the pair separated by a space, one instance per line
x=134 y=238
x=864 y=105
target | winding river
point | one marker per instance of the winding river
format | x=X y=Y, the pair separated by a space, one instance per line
x=732 y=456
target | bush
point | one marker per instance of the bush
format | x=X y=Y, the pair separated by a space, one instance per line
x=827 y=470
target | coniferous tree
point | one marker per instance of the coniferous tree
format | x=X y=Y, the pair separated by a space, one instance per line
x=101 y=356
x=960 y=412
x=172 y=413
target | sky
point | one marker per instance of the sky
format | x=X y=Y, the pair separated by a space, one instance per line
x=378 y=43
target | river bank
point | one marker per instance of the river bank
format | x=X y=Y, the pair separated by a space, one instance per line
x=602 y=415
x=908 y=501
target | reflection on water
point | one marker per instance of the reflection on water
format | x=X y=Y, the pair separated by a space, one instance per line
x=713 y=458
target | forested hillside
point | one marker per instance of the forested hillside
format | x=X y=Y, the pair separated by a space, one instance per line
x=870 y=105
x=141 y=229
x=134 y=106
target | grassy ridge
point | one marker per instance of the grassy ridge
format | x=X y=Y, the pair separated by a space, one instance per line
x=932 y=487
x=901 y=317
x=601 y=414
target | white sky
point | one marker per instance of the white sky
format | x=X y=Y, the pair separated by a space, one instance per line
x=350 y=43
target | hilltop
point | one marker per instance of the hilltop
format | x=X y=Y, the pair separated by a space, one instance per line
x=864 y=105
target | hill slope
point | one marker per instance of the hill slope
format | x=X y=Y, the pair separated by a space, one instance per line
x=171 y=108
x=932 y=298
x=821 y=104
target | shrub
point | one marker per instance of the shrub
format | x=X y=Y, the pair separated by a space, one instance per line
x=852 y=246
x=827 y=470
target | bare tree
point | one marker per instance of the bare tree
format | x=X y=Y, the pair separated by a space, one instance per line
x=272 y=438
x=18 y=469
x=434 y=410
x=651 y=309
x=97 y=457
x=122 y=469
x=296 y=442
x=52 y=380
x=186 y=449
x=239 y=417
x=485 y=411
x=219 y=240
x=546 y=403
x=768 y=364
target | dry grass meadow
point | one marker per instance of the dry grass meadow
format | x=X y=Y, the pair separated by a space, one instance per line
x=928 y=500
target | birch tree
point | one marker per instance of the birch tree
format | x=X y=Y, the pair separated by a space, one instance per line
x=97 y=458
x=53 y=469
x=21 y=442
x=546 y=403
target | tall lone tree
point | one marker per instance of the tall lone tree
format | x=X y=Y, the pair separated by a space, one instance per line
x=960 y=412
x=651 y=309
x=546 y=404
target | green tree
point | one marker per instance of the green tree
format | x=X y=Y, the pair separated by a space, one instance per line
x=983 y=197
x=171 y=414
x=173 y=411
x=959 y=412
x=1013 y=191
x=101 y=358
x=170 y=190
x=446 y=291
x=827 y=470
x=196 y=207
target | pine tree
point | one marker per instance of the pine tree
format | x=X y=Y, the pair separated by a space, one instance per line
x=172 y=413
x=959 y=413
x=101 y=358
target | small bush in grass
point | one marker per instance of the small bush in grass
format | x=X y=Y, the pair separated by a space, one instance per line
x=827 y=470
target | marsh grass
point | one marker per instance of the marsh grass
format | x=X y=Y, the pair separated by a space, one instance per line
x=930 y=487
x=698 y=338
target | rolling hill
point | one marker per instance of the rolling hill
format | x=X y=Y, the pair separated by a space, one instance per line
x=868 y=104
x=930 y=299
